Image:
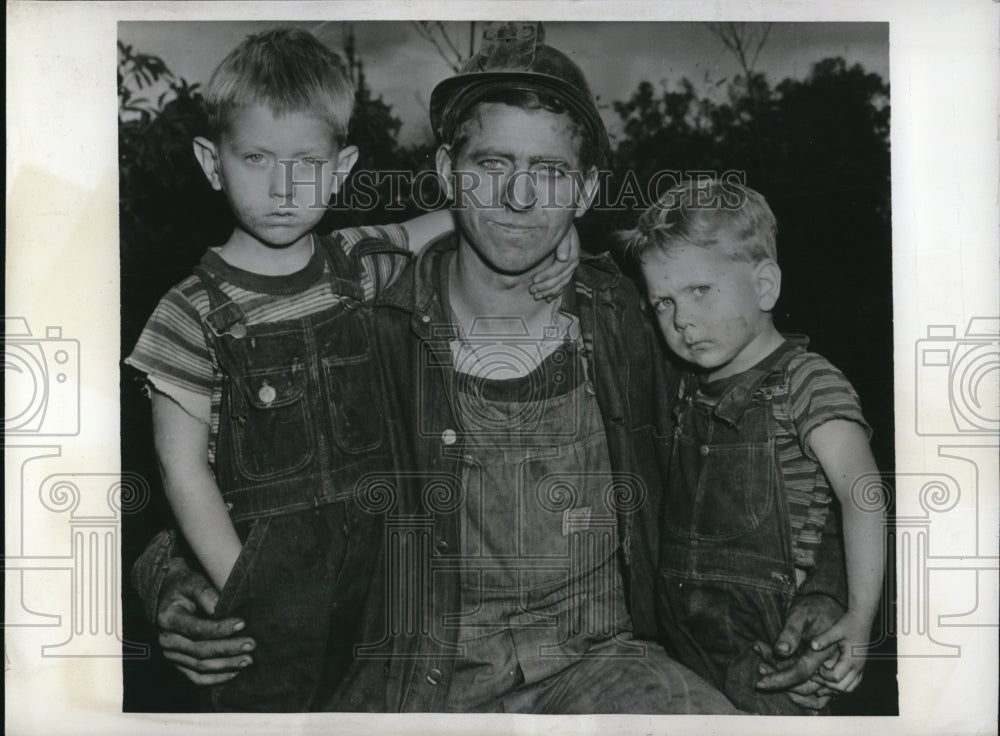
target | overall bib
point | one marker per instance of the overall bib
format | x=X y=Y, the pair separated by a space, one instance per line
x=540 y=584
x=727 y=575
x=301 y=420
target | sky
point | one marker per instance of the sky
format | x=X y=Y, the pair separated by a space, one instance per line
x=615 y=56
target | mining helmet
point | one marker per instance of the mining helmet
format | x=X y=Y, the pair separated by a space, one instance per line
x=513 y=57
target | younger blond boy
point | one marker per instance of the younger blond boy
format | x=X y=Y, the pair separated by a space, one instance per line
x=764 y=432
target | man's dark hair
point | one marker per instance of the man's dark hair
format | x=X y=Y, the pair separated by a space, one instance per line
x=528 y=100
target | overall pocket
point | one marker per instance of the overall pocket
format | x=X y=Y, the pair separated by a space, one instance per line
x=351 y=381
x=239 y=576
x=355 y=402
x=272 y=431
x=719 y=491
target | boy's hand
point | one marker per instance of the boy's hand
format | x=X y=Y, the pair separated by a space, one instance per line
x=548 y=284
x=843 y=672
x=201 y=647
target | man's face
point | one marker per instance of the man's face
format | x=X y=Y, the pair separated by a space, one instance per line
x=516 y=185
x=710 y=307
x=278 y=173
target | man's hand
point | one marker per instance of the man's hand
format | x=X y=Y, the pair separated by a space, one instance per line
x=548 y=284
x=792 y=664
x=202 y=648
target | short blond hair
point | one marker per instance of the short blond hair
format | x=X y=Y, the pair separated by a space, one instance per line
x=697 y=212
x=287 y=69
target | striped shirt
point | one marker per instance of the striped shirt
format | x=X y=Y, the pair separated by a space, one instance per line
x=177 y=359
x=816 y=393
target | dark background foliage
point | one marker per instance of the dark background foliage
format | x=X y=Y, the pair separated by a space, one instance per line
x=817 y=148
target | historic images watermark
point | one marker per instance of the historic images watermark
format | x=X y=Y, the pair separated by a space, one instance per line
x=547 y=186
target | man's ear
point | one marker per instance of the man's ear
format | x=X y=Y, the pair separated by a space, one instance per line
x=208 y=157
x=768 y=282
x=586 y=191
x=342 y=166
x=442 y=160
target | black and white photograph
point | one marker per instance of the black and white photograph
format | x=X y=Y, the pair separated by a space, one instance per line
x=537 y=364
x=441 y=493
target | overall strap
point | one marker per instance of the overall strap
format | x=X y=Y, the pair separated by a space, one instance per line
x=225 y=316
x=345 y=270
x=225 y=323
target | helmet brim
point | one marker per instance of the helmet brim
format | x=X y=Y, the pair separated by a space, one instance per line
x=453 y=96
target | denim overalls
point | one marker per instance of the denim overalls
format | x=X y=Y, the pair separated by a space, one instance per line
x=726 y=566
x=540 y=582
x=301 y=420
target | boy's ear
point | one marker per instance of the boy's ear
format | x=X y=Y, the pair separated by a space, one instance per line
x=345 y=162
x=442 y=160
x=207 y=155
x=768 y=282
x=587 y=192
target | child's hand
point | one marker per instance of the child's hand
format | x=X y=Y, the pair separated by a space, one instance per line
x=548 y=284
x=850 y=633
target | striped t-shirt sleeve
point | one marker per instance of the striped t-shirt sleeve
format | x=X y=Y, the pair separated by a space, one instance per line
x=172 y=344
x=818 y=392
x=378 y=270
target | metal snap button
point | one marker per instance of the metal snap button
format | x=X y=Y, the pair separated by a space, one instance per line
x=434 y=676
x=449 y=437
x=425 y=318
x=703 y=450
x=238 y=330
x=441 y=546
x=267 y=394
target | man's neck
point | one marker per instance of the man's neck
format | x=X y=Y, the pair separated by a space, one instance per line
x=477 y=291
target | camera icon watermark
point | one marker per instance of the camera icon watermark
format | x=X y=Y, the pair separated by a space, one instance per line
x=501 y=349
x=42 y=378
x=964 y=369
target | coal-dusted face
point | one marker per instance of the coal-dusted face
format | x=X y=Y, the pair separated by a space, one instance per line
x=516 y=184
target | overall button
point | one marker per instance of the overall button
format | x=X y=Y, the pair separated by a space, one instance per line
x=267 y=394
x=449 y=437
x=703 y=450
x=434 y=676
x=441 y=546
x=238 y=330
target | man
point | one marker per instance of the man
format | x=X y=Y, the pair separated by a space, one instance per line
x=521 y=522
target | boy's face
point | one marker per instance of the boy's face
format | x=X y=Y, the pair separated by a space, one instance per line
x=516 y=185
x=713 y=311
x=278 y=173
